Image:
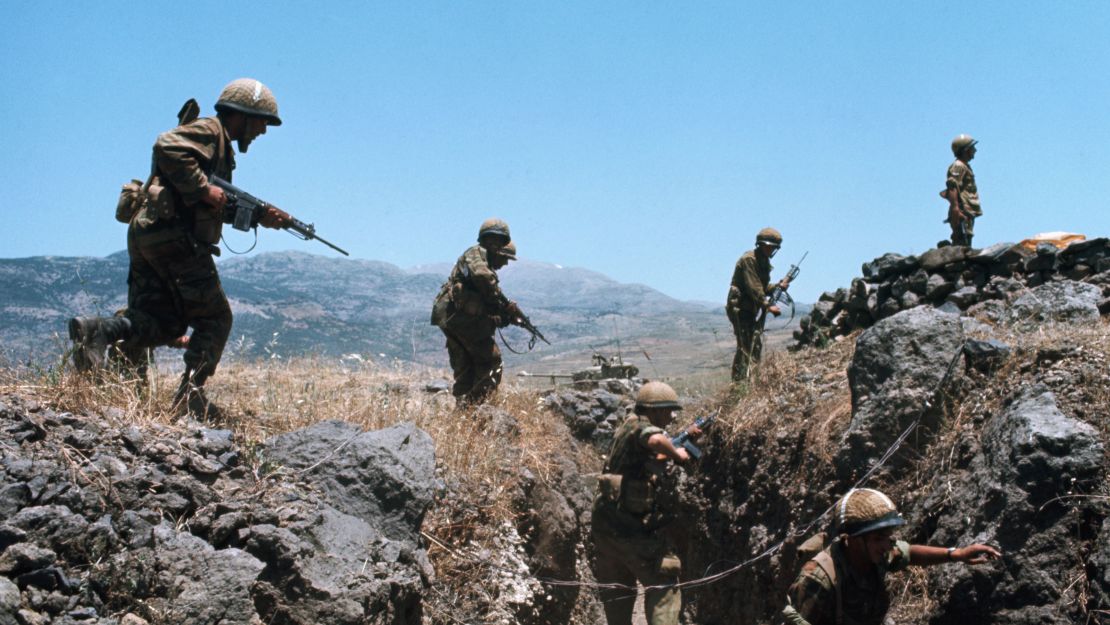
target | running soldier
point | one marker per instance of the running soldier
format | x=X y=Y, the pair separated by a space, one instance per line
x=172 y=282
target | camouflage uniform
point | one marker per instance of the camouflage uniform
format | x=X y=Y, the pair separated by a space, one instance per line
x=469 y=309
x=172 y=281
x=630 y=518
x=746 y=308
x=962 y=180
x=846 y=599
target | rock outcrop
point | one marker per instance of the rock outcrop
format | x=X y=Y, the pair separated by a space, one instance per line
x=103 y=525
x=1048 y=284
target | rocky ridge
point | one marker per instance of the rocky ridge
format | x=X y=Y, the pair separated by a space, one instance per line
x=1003 y=282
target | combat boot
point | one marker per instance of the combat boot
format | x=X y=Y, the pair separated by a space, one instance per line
x=191 y=401
x=91 y=337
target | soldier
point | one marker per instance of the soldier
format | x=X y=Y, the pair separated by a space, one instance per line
x=961 y=192
x=845 y=582
x=469 y=309
x=747 y=304
x=172 y=281
x=631 y=514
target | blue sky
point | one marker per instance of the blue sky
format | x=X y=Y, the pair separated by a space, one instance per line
x=645 y=140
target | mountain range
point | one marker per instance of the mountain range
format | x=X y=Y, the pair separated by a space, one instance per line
x=294 y=303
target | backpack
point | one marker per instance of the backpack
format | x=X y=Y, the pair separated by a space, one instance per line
x=136 y=196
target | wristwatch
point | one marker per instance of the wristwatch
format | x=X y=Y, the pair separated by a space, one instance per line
x=951 y=550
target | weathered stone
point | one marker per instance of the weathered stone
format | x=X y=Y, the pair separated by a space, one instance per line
x=908 y=300
x=936 y=258
x=985 y=355
x=964 y=297
x=1063 y=301
x=9 y=602
x=937 y=288
x=918 y=282
x=387 y=475
x=999 y=254
x=1047 y=450
x=896 y=369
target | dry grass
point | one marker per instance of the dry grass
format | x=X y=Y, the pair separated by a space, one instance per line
x=271 y=397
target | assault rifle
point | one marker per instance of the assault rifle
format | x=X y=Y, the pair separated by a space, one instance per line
x=243 y=211
x=779 y=295
x=685 y=440
x=524 y=322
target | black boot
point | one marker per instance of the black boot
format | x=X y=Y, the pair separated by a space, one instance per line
x=191 y=401
x=91 y=337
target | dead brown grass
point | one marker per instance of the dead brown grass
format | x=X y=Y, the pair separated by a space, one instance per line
x=271 y=397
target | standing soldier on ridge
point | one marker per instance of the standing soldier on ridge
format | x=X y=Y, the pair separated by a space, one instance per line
x=172 y=282
x=469 y=309
x=747 y=304
x=633 y=513
x=845 y=583
x=961 y=192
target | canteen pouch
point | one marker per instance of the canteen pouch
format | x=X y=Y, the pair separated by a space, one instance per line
x=131 y=201
x=160 y=201
x=670 y=566
x=609 y=485
x=637 y=496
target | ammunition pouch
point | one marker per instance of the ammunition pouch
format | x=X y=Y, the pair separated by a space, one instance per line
x=466 y=301
x=207 y=224
x=637 y=496
x=609 y=486
x=670 y=565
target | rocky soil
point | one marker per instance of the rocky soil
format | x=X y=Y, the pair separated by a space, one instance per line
x=103 y=525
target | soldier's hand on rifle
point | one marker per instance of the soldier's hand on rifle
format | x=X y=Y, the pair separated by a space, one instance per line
x=694 y=431
x=774 y=310
x=513 y=311
x=784 y=284
x=274 y=218
x=955 y=215
x=214 y=197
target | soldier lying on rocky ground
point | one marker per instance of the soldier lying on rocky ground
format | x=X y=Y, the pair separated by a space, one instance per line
x=845 y=583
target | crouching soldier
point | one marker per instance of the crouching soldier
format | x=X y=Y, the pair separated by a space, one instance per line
x=631 y=518
x=469 y=309
x=845 y=583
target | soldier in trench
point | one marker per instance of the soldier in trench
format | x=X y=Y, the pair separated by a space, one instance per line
x=846 y=583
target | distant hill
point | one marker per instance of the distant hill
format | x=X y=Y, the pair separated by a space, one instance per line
x=290 y=303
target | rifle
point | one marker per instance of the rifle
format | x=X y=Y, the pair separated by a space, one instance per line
x=524 y=322
x=243 y=211
x=684 y=439
x=779 y=294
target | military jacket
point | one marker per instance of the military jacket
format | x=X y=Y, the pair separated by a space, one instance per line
x=750 y=283
x=814 y=598
x=471 y=289
x=962 y=179
x=184 y=158
x=635 y=494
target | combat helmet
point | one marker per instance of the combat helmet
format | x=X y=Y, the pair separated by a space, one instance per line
x=495 y=227
x=769 y=236
x=865 y=510
x=961 y=143
x=657 y=395
x=249 y=96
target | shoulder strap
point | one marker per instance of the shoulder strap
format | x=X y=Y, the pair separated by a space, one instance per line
x=825 y=561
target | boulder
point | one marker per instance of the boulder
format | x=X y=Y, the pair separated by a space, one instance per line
x=936 y=258
x=889 y=265
x=1061 y=301
x=9 y=602
x=895 y=374
x=985 y=355
x=999 y=254
x=1007 y=497
x=964 y=297
x=937 y=287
